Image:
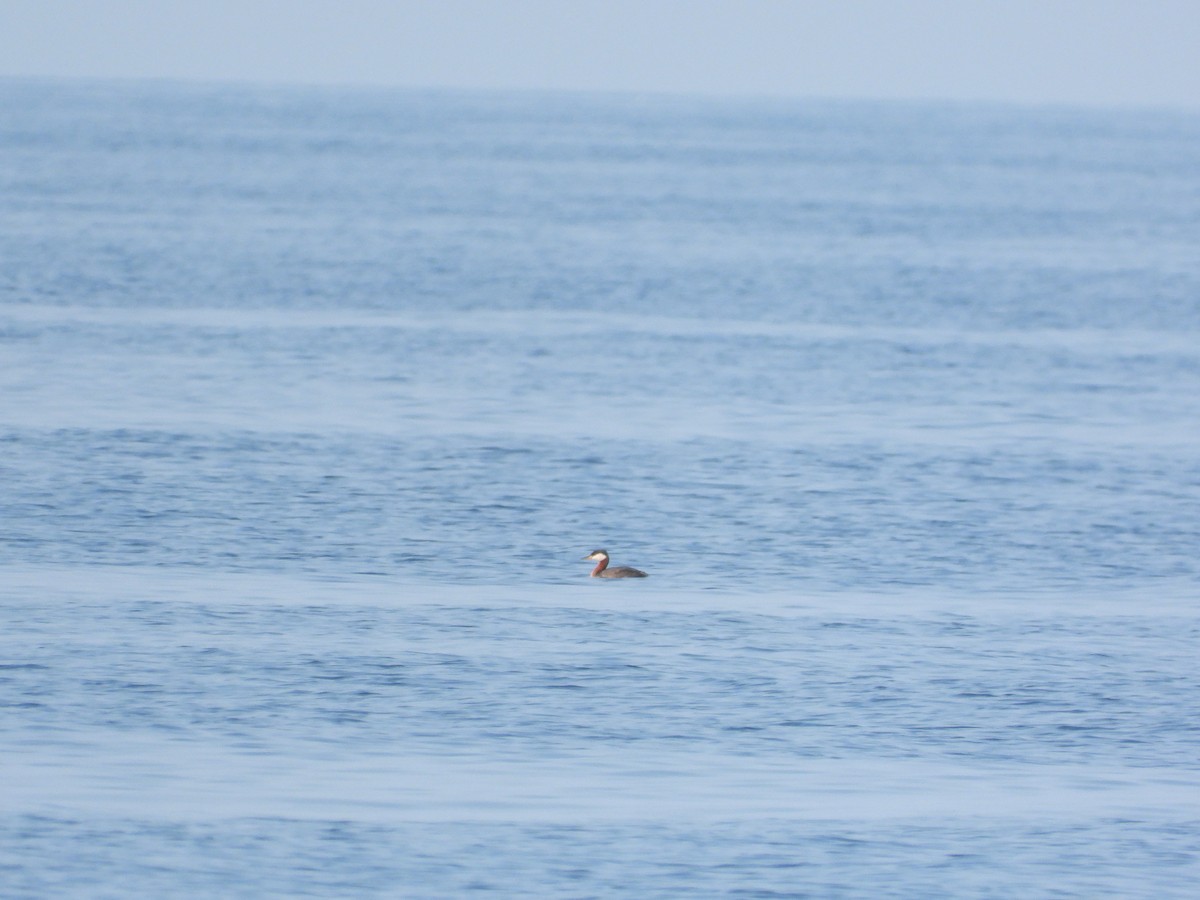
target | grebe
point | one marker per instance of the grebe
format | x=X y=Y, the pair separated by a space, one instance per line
x=603 y=571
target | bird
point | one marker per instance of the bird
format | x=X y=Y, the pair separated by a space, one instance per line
x=603 y=571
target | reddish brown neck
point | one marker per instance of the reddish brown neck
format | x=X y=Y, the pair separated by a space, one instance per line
x=600 y=566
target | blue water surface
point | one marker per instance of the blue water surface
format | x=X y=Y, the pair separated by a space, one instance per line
x=311 y=401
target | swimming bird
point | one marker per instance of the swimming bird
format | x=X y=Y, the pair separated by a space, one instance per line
x=603 y=571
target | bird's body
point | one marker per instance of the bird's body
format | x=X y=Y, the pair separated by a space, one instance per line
x=603 y=571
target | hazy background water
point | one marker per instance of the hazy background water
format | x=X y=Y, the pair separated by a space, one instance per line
x=311 y=401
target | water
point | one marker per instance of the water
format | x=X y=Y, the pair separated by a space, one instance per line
x=311 y=401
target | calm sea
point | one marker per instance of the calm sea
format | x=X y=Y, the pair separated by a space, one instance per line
x=311 y=402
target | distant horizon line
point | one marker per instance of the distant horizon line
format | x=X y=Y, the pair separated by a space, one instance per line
x=251 y=84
